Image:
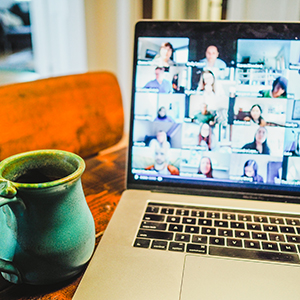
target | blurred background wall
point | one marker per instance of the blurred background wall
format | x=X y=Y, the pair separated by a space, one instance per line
x=75 y=36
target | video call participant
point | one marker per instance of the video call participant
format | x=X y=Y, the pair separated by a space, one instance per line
x=260 y=142
x=207 y=138
x=293 y=146
x=211 y=59
x=162 y=116
x=175 y=85
x=163 y=59
x=163 y=85
x=160 y=141
x=213 y=95
x=250 y=171
x=255 y=115
x=279 y=89
x=204 y=116
x=161 y=163
x=207 y=82
x=205 y=167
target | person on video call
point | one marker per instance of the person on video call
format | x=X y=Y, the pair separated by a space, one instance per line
x=207 y=82
x=211 y=59
x=279 y=89
x=162 y=116
x=163 y=59
x=255 y=115
x=163 y=85
x=175 y=85
x=260 y=142
x=207 y=138
x=205 y=167
x=204 y=116
x=161 y=163
x=213 y=95
x=160 y=141
x=250 y=171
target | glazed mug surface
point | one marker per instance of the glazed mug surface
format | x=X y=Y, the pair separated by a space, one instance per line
x=47 y=232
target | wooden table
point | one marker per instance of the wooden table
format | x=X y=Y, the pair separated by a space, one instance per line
x=103 y=182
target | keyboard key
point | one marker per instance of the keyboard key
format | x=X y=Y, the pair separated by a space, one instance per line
x=234 y=243
x=191 y=229
x=252 y=226
x=293 y=222
x=199 y=239
x=269 y=246
x=189 y=221
x=252 y=244
x=276 y=220
x=272 y=228
x=276 y=237
x=260 y=219
x=287 y=229
x=259 y=236
x=246 y=218
x=225 y=232
x=153 y=225
x=205 y=222
x=198 y=213
x=288 y=248
x=182 y=237
x=217 y=241
x=167 y=211
x=179 y=247
x=237 y=225
x=141 y=243
x=293 y=239
x=160 y=245
x=213 y=215
x=208 y=231
x=152 y=209
x=221 y=223
x=182 y=212
x=228 y=216
x=194 y=248
x=176 y=227
x=161 y=235
x=172 y=219
x=254 y=254
x=152 y=217
x=242 y=234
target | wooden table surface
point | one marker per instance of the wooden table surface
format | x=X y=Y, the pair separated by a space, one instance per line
x=103 y=183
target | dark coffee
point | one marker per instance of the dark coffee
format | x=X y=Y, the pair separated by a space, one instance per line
x=41 y=175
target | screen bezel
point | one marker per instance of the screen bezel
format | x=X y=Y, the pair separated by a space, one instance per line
x=236 y=30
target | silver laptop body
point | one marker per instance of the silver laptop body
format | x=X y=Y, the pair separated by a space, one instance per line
x=211 y=209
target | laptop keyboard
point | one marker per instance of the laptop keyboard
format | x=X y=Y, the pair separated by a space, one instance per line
x=220 y=232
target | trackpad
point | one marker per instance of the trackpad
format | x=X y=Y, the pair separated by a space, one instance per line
x=229 y=279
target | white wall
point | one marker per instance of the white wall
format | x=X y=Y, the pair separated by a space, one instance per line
x=110 y=36
x=58 y=37
x=265 y=10
x=76 y=36
x=6 y=3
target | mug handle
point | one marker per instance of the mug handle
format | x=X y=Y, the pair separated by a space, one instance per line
x=8 y=196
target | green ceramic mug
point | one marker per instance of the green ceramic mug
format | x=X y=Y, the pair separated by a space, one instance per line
x=47 y=232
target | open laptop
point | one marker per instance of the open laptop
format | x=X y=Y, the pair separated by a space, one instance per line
x=212 y=206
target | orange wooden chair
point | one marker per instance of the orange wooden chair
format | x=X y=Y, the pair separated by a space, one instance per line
x=81 y=113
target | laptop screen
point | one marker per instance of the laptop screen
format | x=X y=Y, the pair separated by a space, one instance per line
x=216 y=106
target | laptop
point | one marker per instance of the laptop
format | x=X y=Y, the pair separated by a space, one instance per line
x=211 y=209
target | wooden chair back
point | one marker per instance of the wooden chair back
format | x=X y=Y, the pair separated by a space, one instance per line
x=81 y=113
